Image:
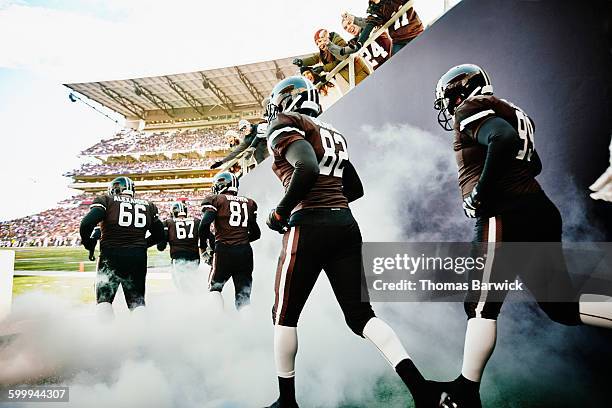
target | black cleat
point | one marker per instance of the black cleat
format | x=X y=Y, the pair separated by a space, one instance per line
x=279 y=404
x=447 y=402
x=435 y=395
x=459 y=393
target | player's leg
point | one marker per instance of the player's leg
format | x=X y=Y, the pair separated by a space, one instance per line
x=243 y=275
x=482 y=308
x=186 y=274
x=559 y=299
x=106 y=287
x=298 y=268
x=134 y=283
x=220 y=272
x=344 y=269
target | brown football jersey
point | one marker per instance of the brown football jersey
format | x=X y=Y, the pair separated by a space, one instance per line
x=234 y=213
x=408 y=26
x=378 y=51
x=330 y=148
x=182 y=234
x=469 y=115
x=126 y=220
x=405 y=28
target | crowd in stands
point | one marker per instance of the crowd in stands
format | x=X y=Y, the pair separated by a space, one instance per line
x=145 y=142
x=59 y=226
x=55 y=227
x=333 y=48
x=138 y=167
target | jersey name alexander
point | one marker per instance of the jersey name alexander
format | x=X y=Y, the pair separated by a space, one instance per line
x=125 y=199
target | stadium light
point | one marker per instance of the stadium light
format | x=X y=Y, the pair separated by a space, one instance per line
x=73 y=98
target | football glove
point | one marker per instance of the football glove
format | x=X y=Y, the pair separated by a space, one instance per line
x=207 y=256
x=298 y=62
x=472 y=204
x=216 y=164
x=277 y=222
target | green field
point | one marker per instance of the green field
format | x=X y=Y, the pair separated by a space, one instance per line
x=67 y=260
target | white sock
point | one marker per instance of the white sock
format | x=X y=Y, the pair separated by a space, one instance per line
x=385 y=339
x=217 y=300
x=596 y=310
x=285 y=349
x=104 y=312
x=480 y=337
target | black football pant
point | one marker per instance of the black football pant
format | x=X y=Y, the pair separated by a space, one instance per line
x=334 y=247
x=236 y=262
x=125 y=266
x=534 y=254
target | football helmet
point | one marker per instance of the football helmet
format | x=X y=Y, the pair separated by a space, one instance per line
x=179 y=208
x=225 y=182
x=121 y=185
x=458 y=84
x=294 y=94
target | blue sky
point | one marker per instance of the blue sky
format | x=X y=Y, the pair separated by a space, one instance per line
x=47 y=43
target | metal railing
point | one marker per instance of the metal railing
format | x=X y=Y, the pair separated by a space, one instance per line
x=246 y=163
x=350 y=61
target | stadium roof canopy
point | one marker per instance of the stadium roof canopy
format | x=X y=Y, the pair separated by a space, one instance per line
x=200 y=96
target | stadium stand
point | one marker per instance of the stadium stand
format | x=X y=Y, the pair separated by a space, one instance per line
x=168 y=141
x=59 y=226
x=176 y=128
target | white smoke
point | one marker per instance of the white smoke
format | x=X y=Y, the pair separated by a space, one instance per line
x=183 y=352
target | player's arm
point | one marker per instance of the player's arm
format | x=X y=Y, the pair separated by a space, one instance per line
x=535 y=164
x=253 y=228
x=351 y=183
x=96 y=214
x=209 y=215
x=302 y=157
x=156 y=229
x=501 y=140
x=161 y=245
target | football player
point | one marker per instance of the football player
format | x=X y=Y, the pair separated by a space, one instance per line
x=125 y=221
x=235 y=224
x=311 y=160
x=498 y=163
x=181 y=232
